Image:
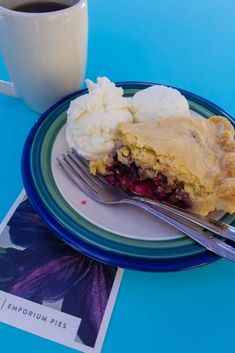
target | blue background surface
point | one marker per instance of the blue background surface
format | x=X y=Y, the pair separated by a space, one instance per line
x=189 y=44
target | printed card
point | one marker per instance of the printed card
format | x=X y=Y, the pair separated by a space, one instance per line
x=49 y=289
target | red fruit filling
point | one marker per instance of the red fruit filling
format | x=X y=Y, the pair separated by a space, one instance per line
x=134 y=179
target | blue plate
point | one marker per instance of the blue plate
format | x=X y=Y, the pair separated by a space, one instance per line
x=79 y=232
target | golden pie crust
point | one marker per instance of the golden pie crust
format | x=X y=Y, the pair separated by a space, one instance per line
x=196 y=151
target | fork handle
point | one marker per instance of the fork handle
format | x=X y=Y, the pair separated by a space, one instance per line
x=194 y=231
x=222 y=229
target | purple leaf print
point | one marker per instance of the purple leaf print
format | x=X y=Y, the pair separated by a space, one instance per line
x=46 y=269
x=93 y=291
x=52 y=279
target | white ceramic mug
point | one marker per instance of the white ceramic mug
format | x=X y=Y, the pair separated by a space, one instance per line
x=45 y=53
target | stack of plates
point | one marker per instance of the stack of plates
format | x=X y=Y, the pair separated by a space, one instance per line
x=119 y=235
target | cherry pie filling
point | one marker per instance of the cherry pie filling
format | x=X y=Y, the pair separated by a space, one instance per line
x=147 y=183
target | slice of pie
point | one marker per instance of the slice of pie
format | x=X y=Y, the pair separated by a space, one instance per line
x=186 y=161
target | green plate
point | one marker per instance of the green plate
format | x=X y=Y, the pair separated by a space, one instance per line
x=103 y=232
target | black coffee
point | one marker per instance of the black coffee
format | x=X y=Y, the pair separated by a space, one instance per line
x=40 y=6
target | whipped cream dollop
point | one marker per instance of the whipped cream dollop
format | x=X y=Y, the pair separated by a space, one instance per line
x=158 y=102
x=93 y=118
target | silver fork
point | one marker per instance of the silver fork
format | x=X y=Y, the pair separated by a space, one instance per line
x=99 y=190
x=222 y=229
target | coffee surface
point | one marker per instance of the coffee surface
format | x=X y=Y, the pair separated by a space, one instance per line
x=40 y=6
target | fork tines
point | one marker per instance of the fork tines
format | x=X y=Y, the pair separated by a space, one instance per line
x=77 y=169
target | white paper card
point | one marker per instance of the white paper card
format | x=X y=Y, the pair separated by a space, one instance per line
x=49 y=289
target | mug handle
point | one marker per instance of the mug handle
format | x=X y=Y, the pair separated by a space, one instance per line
x=8 y=89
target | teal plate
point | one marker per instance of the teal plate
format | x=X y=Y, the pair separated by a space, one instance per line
x=80 y=231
